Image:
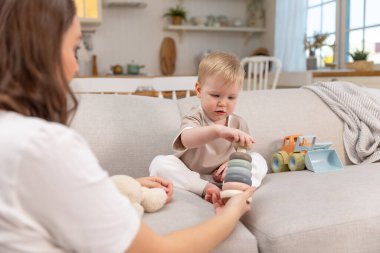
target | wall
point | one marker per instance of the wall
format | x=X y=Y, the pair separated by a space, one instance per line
x=270 y=16
x=129 y=34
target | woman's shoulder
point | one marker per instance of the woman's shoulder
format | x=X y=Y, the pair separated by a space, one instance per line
x=20 y=122
x=16 y=129
x=31 y=141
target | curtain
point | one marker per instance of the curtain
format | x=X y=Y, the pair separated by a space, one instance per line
x=290 y=28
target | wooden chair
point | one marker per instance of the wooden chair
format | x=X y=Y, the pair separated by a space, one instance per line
x=258 y=68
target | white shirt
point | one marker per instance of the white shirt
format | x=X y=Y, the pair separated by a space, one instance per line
x=54 y=196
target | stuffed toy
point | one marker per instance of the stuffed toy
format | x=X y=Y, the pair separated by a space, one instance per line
x=142 y=198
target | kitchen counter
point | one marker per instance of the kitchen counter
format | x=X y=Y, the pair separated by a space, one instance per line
x=115 y=76
x=344 y=72
x=290 y=79
x=163 y=86
x=297 y=79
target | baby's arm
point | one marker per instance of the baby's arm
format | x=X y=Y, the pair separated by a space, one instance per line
x=242 y=138
x=198 y=136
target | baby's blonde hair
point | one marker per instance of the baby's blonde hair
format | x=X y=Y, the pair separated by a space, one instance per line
x=222 y=64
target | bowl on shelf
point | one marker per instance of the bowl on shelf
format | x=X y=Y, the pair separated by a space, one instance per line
x=198 y=21
x=117 y=69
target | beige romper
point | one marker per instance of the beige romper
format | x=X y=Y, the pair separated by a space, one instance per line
x=186 y=166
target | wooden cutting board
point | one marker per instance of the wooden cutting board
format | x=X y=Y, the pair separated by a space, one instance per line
x=168 y=56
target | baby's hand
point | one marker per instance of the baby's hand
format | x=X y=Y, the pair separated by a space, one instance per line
x=235 y=135
x=219 y=174
x=210 y=191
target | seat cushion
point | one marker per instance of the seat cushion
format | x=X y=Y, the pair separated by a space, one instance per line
x=318 y=212
x=187 y=209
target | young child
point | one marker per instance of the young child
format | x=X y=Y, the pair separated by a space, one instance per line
x=210 y=132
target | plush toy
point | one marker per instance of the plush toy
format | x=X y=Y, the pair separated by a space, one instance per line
x=142 y=198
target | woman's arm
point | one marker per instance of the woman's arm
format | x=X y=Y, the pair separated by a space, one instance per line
x=200 y=238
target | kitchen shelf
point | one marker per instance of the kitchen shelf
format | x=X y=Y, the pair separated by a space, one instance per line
x=125 y=3
x=249 y=31
x=215 y=29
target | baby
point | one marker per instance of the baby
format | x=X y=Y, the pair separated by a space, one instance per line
x=211 y=132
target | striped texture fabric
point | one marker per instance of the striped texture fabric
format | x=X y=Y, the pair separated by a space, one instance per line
x=361 y=115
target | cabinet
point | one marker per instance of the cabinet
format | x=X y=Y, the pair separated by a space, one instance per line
x=89 y=11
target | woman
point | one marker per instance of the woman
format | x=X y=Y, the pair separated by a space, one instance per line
x=54 y=196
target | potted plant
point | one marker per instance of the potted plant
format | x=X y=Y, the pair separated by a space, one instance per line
x=311 y=45
x=177 y=14
x=360 y=61
x=359 y=55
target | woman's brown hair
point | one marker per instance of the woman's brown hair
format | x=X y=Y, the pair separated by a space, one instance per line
x=32 y=80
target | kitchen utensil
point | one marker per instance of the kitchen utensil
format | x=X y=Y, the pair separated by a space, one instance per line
x=134 y=69
x=117 y=69
x=94 y=66
x=168 y=55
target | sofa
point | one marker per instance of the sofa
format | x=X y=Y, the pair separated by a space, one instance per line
x=303 y=211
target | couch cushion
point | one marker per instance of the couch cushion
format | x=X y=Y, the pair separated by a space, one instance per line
x=127 y=132
x=187 y=209
x=326 y=212
x=273 y=114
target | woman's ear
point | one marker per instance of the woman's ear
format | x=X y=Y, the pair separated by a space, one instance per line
x=198 y=89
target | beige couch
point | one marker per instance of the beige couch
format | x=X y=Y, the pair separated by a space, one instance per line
x=291 y=212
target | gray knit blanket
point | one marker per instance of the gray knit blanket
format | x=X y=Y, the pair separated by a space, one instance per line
x=360 y=114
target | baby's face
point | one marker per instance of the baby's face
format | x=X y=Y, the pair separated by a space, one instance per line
x=218 y=98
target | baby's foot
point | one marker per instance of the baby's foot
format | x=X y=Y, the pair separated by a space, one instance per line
x=209 y=191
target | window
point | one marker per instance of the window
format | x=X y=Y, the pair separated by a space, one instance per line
x=321 y=19
x=363 y=28
x=350 y=25
x=88 y=10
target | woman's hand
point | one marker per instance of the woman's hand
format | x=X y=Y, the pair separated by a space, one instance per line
x=237 y=205
x=235 y=135
x=157 y=182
